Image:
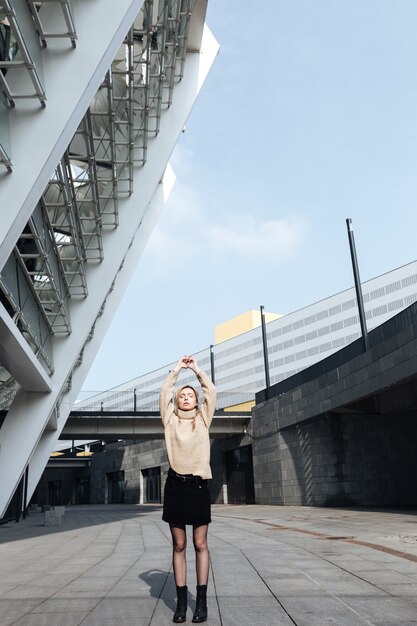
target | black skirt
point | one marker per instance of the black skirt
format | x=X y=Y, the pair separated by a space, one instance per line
x=186 y=500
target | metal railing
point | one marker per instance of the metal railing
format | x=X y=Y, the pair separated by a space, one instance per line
x=36 y=7
x=131 y=400
x=16 y=58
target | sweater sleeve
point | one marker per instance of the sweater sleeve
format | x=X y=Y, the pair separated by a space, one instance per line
x=166 y=401
x=209 y=392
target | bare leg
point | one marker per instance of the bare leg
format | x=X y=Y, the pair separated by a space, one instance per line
x=201 y=553
x=179 y=563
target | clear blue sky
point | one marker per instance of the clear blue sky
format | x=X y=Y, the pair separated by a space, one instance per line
x=309 y=116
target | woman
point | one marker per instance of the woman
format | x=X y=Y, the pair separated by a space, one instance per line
x=186 y=495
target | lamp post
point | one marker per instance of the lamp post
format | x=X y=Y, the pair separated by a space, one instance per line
x=265 y=349
x=213 y=378
x=358 y=287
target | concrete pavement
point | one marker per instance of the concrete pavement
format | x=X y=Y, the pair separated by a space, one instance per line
x=271 y=566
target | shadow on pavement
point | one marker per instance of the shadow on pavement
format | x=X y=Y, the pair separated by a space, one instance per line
x=76 y=516
x=158 y=582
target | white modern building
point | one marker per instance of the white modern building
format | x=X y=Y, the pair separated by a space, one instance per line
x=294 y=342
x=93 y=97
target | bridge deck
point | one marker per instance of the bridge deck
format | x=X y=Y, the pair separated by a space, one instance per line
x=141 y=424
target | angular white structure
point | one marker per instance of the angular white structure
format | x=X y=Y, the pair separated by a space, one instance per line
x=94 y=98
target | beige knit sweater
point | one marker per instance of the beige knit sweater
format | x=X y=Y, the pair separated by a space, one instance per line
x=188 y=449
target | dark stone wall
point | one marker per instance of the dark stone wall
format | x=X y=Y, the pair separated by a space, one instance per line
x=336 y=460
x=132 y=458
x=339 y=459
x=67 y=476
x=218 y=464
x=139 y=457
x=344 y=431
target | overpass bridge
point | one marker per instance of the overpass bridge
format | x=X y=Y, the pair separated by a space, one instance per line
x=122 y=424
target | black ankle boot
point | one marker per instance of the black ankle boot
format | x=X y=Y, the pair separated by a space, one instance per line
x=200 y=613
x=181 y=610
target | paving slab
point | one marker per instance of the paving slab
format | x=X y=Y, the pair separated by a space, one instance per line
x=270 y=566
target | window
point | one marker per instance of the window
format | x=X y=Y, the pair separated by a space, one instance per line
x=301 y=355
x=298 y=324
x=299 y=339
x=350 y=321
x=310 y=320
x=325 y=346
x=410 y=299
x=348 y=305
x=116 y=487
x=379 y=310
x=410 y=280
x=335 y=309
x=152 y=484
x=393 y=287
x=323 y=331
x=322 y=314
x=397 y=304
x=377 y=293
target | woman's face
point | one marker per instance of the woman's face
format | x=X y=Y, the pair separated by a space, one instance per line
x=187 y=399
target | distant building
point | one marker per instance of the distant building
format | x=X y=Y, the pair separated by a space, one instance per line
x=295 y=341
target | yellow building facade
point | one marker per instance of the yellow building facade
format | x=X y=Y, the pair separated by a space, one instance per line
x=237 y=326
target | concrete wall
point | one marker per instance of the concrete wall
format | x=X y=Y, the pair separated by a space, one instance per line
x=67 y=476
x=343 y=432
x=338 y=459
x=132 y=458
x=218 y=484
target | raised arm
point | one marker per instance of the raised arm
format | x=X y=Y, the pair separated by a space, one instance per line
x=209 y=391
x=166 y=402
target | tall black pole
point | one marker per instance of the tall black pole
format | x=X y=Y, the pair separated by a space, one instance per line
x=19 y=500
x=265 y=347
x=213 y=378
x=25 y=492
x=358 y=286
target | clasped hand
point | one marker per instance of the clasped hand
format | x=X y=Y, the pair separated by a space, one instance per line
x=188 y=361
